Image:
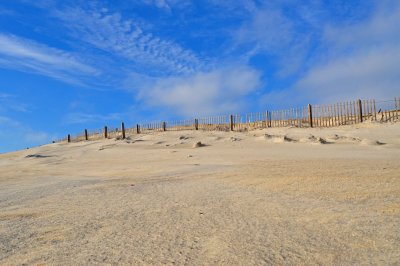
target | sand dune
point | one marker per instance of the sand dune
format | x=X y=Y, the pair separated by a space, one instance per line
x=272 y=196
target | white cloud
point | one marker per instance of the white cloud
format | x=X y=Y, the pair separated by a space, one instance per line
x=128 y=39
x=26 y=55
x=219 y=91
x=362 y=60
x=372 y=73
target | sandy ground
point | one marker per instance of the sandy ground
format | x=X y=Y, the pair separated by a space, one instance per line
x=276 y=196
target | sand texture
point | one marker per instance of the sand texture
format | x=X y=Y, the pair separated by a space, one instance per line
x=284 y=196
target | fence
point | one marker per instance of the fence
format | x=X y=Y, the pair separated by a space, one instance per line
x=330 y=115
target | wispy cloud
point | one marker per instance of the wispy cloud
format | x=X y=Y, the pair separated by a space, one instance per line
x=235 y=7
x=268 y=30
x=5 y=95
x=128 y=39
x=29 y=56
x=83 y=118
x=9 y=103
x=6 y=12
x=163 y=4
x=169 y=5
x=380 y=28
x=18 y=136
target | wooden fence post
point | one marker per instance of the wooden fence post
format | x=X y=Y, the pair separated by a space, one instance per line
x=105 y=132
x=360 y=110
x=310 y=115
x=86 y=135
x=123 y=130
x=365 y=111
x=231 y=122
x=137 y=129
x=69 y=138
x=397 y=107
x=196 y=124
x=164 y=126
x=267 y=119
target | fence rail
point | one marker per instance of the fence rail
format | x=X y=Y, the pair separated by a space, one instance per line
x=329 y=115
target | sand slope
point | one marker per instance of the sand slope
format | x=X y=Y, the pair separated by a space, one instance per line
x=274 y=196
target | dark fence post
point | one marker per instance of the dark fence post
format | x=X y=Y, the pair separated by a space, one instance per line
x=86 y=135
x=267 y=119
x=270 y=118
x=123 y=130
x=231 y=122
x=105 y=132
x=310 y=118
x=164 y=126
x=360 y=111
x=137 y=128
x=69 y=138
x=196 y=124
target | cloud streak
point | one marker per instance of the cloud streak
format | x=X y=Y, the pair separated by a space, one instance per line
x=30 y=56
x=128 y=39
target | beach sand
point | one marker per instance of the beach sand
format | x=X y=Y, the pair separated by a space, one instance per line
x=273 y=196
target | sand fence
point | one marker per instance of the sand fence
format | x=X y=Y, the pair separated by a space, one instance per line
x=327 y=115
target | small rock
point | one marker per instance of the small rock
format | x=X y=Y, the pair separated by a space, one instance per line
x=198 y=145
x=190 y=156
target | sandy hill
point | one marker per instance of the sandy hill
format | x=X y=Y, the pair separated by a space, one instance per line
x=272 y=196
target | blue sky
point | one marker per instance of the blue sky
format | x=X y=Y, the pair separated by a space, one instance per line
x=70 y=65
